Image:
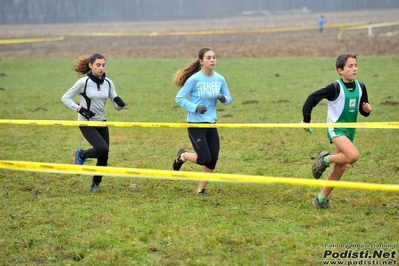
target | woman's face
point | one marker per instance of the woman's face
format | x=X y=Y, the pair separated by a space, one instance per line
x=209 y=61
x=98 y=67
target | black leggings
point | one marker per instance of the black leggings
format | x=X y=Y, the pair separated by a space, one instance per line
x=98 y=137
x=206 y=144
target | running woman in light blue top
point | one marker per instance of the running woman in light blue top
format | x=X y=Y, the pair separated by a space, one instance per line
x=205 y=88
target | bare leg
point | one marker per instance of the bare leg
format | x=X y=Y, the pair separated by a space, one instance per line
x=335 y=175
x=202 y=184
x=345 y=153
x=192 y=157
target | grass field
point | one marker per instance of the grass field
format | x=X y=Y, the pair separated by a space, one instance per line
x=53 y=219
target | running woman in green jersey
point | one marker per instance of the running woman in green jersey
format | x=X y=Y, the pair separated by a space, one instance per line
x=346 y=97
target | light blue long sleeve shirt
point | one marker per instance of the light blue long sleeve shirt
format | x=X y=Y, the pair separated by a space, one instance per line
x=202 y=90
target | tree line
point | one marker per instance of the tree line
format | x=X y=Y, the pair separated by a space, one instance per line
x=74 y=11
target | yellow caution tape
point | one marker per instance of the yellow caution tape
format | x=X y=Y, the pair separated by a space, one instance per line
x=213 y=32
x=182 y=175
x=177 y=33
x=365 y=26
x=376 y=25
x=386 y=125
x=29 y=40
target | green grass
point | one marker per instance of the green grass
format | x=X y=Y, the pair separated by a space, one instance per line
x=52 y=219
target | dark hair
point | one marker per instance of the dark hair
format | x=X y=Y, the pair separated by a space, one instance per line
x=341 y=60
x=82 y=64
x=181 y=76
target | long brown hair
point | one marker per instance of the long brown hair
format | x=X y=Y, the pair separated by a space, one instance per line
x=82 y=64
x=181 y=76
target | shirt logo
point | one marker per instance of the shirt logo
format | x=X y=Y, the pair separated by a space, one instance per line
x=208 y=89
x=352 y=105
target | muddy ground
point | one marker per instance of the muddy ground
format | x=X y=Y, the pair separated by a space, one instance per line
x=281 y=34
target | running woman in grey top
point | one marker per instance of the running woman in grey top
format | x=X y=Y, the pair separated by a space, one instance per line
x=93 y=91
x=346 y=98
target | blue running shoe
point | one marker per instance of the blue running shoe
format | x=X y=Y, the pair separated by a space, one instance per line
x=77 y=159
x=94 y=187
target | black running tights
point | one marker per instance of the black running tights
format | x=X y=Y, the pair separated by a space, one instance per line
x=98 y=137
x=206 y=144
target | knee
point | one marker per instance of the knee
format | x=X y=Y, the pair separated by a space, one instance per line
x=209 y=163
x=204 y=160
x=102 y=152
x=353 y=157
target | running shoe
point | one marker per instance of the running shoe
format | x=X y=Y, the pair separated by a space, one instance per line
x=77 y=159
x=178 y=162
x=94 y=187
x=201 y=192
x=319 y=166
x=321 y=205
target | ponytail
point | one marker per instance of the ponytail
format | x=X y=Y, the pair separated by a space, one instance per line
x=181 y=76
x=81 y=65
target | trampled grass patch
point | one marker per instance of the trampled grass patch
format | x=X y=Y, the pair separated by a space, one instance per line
x=53 y=219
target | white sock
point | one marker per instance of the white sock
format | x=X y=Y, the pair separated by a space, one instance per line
x=182 y=157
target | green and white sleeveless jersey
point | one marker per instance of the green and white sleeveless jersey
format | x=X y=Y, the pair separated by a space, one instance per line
x=344 y=102
x=344 y=110
x=345 y=107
